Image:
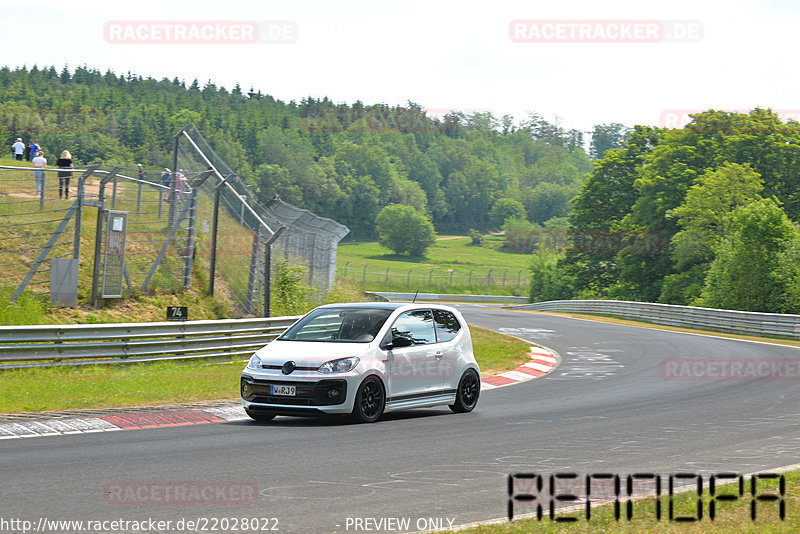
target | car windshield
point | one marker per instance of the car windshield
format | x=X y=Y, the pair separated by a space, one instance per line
x=344 y=325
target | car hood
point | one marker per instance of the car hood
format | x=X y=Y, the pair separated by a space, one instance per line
x=309 y=353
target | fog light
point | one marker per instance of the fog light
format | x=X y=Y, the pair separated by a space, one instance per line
x=333 y=393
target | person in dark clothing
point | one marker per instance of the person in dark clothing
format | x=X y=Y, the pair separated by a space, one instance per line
x=64 y=162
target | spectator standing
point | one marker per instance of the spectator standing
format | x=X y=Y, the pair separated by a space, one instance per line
x=35 y=148
x=18 y=148
x=166 y=181
x=39 y=164
x=64 y=162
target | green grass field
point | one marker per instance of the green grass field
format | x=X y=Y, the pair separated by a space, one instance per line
x=452 y=265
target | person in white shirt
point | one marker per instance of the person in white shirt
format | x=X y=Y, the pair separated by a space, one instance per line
x=39 y=163
x=19 y=149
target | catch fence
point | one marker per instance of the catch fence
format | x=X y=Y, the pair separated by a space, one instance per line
x=49 y=217
x=152 y=230
x=251 y=235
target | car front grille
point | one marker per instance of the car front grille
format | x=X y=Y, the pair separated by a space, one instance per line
x=320 y=393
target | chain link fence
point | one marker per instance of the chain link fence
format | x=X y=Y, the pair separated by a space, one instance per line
x=249 y=235
x=144 y=231
x=55 y=214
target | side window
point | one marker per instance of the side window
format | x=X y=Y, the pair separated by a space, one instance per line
x=418 y=325
x=447 y=326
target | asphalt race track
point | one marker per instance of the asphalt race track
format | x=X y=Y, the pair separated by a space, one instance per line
x=607 y=407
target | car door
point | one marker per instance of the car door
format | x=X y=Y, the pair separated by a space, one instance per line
x=448 y=347
x=414 y=370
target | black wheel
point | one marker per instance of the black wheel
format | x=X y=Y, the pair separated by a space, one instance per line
x=260 y=417
x=370 y=401
x=469 y=389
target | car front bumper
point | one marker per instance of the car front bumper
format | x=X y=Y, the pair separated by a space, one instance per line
x=313 y=395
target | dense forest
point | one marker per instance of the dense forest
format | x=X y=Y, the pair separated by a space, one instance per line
x=701 y=215
x=343 y=161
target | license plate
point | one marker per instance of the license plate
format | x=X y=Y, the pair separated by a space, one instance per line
x=285 y=391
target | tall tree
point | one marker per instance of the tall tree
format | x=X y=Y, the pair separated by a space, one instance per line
x=758 y=265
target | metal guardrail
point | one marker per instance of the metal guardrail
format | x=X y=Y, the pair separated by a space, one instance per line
x=730 y=321
x=45 y=345
x=447 y=297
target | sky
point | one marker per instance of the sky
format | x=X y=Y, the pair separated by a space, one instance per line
x=576 y=63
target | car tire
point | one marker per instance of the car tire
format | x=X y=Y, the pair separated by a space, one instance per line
x=259 y=416
x=469 y=389
x=370 y=401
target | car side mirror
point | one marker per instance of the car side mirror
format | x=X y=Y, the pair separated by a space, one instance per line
x=397 y=342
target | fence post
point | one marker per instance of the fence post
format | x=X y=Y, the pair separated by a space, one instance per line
x=364 y=277
x=268 y=270
x=76 y=247
x=387 y=275
x=214 y=224
x=190 y=237
x=409 y=278
x=452 y=272
x=114 y=194
x=489 y=278
x=430 y=277
x=251 y=279
x=504 y=276
x=44 y=188
x=469 y=282
x=98 y=236
x=139 y=199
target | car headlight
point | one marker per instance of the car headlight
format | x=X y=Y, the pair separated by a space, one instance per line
x=341 y=365
x=254 y=363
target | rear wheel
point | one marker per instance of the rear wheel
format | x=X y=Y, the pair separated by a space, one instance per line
x=370 y=401
x=469 y=389
x=260 y=417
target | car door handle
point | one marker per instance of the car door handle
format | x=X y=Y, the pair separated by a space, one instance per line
x=438 y=355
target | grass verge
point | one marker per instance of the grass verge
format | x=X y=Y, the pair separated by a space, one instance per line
x=108 y=386
x=732 y=516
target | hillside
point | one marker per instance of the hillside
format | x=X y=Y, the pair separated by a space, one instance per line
x=342 y=161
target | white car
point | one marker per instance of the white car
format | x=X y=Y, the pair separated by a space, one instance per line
x=364 y=359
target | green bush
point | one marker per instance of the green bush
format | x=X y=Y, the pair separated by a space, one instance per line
x=405 y=230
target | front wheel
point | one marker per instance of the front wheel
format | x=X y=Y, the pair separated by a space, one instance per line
x=469 y=389
x=260 y=417
x=370 y=401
